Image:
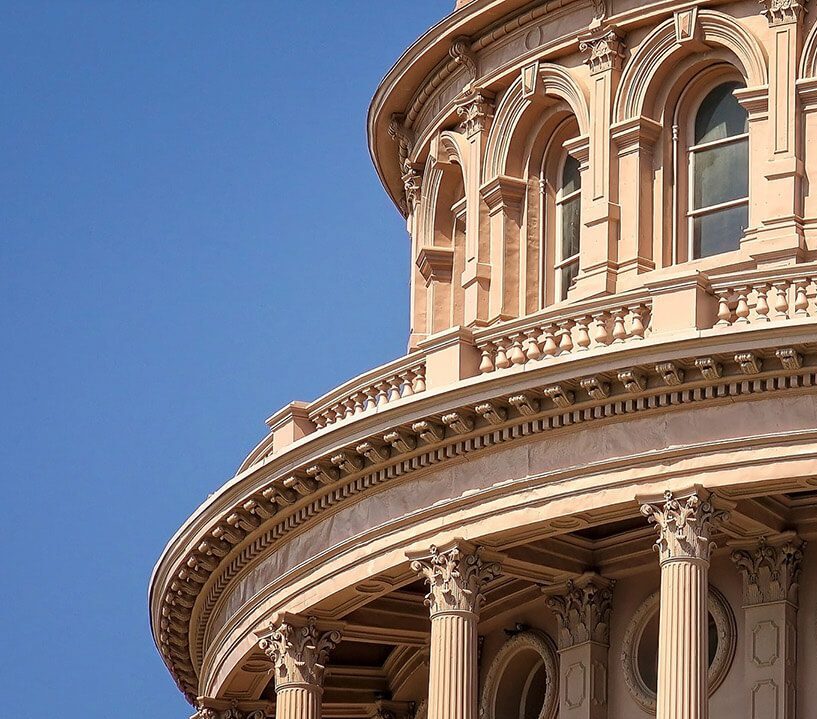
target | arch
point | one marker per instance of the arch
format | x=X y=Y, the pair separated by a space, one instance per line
x=661 y=47
x=527 y=640
x=808 y=60
x=551 y=81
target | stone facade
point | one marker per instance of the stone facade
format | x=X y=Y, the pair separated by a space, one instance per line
x=589 y=487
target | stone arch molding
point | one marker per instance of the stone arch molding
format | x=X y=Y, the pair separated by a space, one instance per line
x=727 y=639
x=548 y=81
x=449 y=149
x=808 y=60
x=660 y=48
x=542 y=645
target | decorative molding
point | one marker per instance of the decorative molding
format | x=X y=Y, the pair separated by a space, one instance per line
x=725 y=626
x=582 y=610
x=605 y=51
x=298 y=650
x=462 y=54
x=771 y=569
x=456 y=576
x=436 y=263
x=522 y=641
x=215 y=709
x=684 y=524
x=783 y=12
x=476 y=112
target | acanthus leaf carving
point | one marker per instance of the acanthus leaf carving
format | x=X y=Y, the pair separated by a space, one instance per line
x=605 y=50
x=583 y=610
x=771 y=570
x=684 y=525
x=299 y=651
x=782 y=12
x=476 y=112
x=456 y=577
x=205 y=711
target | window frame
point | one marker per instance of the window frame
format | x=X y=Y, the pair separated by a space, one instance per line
x=562 y=199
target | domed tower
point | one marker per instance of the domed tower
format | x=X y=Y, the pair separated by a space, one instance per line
x=586 y=489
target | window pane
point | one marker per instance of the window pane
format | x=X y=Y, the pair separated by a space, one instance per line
x=571 y=177
x=719 y=232
x=720 y=115
x=571 y=227
x=569 y=273
x=721 y=174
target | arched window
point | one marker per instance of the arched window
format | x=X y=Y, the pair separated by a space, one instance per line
x=718 y=174
x=568 y=226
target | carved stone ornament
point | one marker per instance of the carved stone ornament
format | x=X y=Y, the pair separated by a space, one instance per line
x=299 y=651
x=771 y=571
x=782 y=12
x=455 y=578
x=684 y=525
x=231 y=712
x=605 y=51
x=476 y=112
x=412 y=183
x=583 y=611
x=462 y=54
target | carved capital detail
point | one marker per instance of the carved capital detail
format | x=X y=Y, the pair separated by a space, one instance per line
x=299 y=651
x=783 y=12
x=771 y=570
x=412 y=183
x=455 y=577
x=476 y=112
x=205 y=711
x=582 y=610
x=605 y=51
x=684 y=525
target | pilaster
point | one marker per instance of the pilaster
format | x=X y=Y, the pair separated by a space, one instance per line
x=582 y=609
x=770 y=569
x=298 y=648
x=685 y=523
x=476 y=112
x=456 y=575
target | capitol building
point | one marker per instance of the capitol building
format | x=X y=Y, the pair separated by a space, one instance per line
x=588 y=490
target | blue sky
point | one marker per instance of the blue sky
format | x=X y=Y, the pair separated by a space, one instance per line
x=191 y=235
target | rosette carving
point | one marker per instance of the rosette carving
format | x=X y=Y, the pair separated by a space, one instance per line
x=684 y=525
x=455 y=578
x=771 y=571
x=299 y=651
x=583 y=611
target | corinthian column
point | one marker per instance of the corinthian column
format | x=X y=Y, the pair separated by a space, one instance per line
x=298 y=648
x=771 y=571
x=582 y=610
x=685 y=525
x=456 y=575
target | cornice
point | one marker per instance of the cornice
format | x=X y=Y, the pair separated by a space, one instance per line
x=193 y=572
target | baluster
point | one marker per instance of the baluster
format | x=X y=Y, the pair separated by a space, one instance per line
x=565 y=338
x=406 y=383
x=583 y=334
x=781 y=303
x=361 y=400
x=419 y=379
x=724 y=313
x=320 y=420
x=762 y=304
x=382 y=396
x=395 y=383
x=801 y=299
x=742 y=310
x=348 y=407
x=637 y=322
x=502 y=361
x=486 y=363
x=533 y=351
x=517 y=356
x=551 y=347
x=619 y=328
x=601 y=336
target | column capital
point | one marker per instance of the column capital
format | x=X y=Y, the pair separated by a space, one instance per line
x=604 y=49
x=582 y=608
x=412 y=184
x=770 y=569
x=684 y=522
x=476 y=112
x=456 y=575
x=783 y=12
x=298 y=648
x=228 y=709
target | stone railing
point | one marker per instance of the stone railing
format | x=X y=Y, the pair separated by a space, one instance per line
x=564 y=331
x=402 y=378
x=759 y=297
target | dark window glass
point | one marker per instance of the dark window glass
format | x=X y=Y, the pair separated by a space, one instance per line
x=720 y=115
x=569 y=273
x=571 y=221
x=721 y=174
x=719 y=231
x=571 y=177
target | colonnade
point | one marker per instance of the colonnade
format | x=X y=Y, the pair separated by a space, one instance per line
x=457 y=573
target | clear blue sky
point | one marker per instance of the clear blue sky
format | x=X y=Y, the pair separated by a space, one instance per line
x=191 y=235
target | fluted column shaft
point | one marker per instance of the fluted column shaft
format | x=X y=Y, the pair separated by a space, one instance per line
x=684 y=525
x=456 y=575
x=298 y=648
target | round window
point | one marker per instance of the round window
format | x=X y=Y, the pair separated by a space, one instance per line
x=640 y=651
